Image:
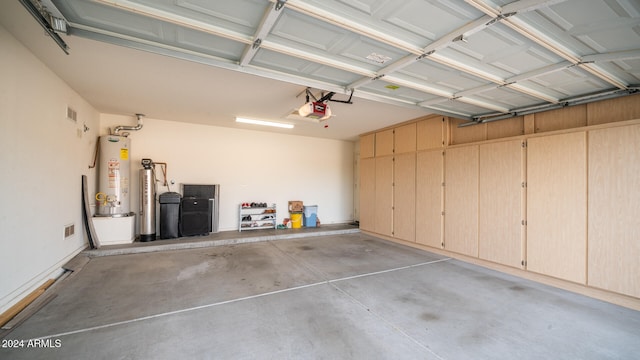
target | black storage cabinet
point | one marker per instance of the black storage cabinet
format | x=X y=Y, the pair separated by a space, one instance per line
x=195 y=216
x=169 y=215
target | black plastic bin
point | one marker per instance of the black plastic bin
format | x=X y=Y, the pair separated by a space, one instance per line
x=169 y=215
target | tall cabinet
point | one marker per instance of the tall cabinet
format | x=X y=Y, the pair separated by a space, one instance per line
x=404 y=183
x=461 y=205
x=430 y=135
x=384 y=196
x=367 y=182
x=614 y=202
x=429 y=197
x=557 y=206
x=501 y=200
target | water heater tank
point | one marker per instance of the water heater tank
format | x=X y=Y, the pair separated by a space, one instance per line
x=113 y=176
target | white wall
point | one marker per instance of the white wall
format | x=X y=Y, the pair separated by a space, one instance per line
x=42 y=157
x=250 y=166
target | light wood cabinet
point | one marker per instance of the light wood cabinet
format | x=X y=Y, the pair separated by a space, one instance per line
x=564 y=205
x=614 y=209
x=557 y=206
x=404 y=197
x=505 y=128
x=500 y=203
x=384 y=143
x=429 y=197
x=393 y=183
x=368 y=146
x=467 y=134
x=367 y=193
x=405 y=139
x=384 y=196
x=623 y=108
x=430 y=133
x=461 y=200
x=565 y=118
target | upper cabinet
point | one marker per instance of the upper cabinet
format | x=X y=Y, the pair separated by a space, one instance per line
x=368 y=146
x=405 y=138
x=384 y=143
x=426 y=134
x=430 y=133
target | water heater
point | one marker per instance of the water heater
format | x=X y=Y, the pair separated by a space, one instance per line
x=113 y=176
x=147 y=201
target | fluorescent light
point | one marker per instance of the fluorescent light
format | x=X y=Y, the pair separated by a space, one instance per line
x=264 y=123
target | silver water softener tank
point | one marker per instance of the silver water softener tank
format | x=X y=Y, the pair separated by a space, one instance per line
x=147 y=201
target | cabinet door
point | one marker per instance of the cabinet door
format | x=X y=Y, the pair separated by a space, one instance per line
x=384 y=196
x=404 y=197
x=367 y=146
x=500 y=204
x=557 y=206
x=429 y=177
x=384 y=143
x=614 y=221
x=430 y=133
x=461 y=200
x=405 y=139
x=367 y=193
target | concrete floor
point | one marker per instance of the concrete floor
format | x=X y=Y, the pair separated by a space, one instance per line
x=341 y=296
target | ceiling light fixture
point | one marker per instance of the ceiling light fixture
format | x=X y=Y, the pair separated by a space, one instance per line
x=264 y=123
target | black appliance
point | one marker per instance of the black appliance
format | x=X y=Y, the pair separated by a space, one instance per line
x=212 y=194
x=195 y=216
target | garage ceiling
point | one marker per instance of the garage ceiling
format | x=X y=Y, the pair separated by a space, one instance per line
x=479 y=60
